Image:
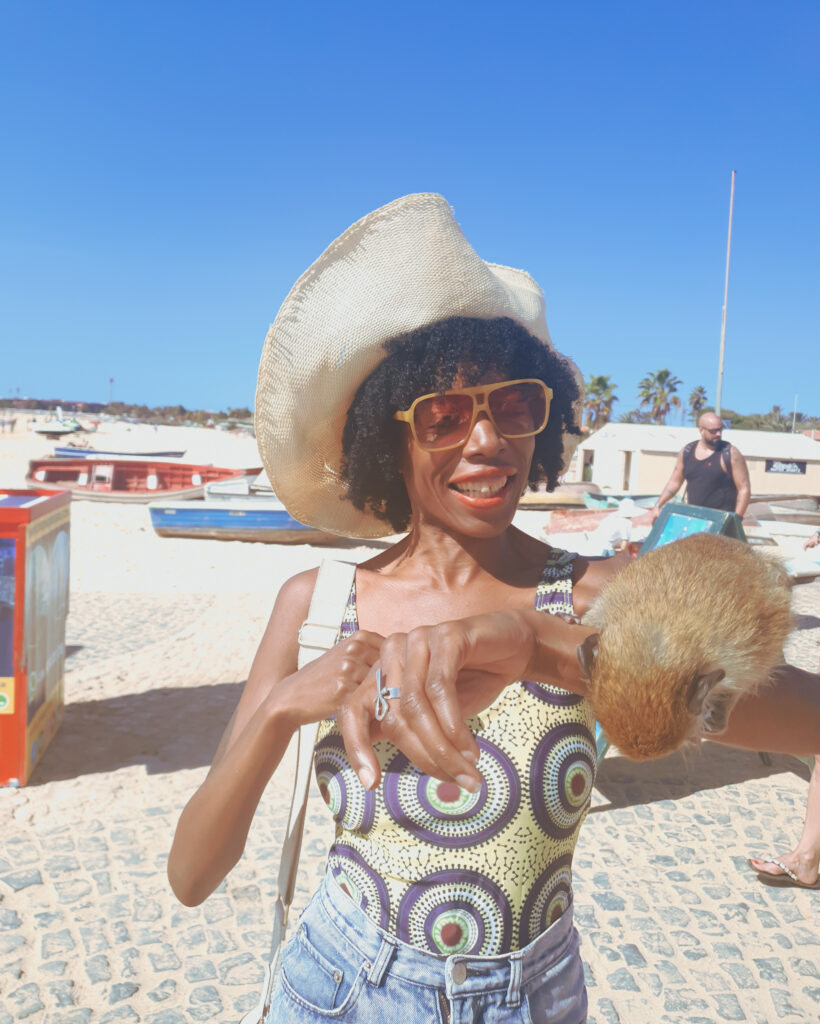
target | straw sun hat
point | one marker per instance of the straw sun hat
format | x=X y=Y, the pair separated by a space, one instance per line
x=403 y=266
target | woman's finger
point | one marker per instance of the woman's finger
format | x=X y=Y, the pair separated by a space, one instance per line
x=412 y=723
x=444 y=663
x=355 y=717
x=361 y=644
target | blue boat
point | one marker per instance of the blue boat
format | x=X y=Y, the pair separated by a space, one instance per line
x=76 y=452
x=244 y=509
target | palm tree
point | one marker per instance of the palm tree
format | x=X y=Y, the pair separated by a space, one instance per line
x=634 y=416
x=598 y=401
x=657 y=390
x=776 y=419
x=697 y=401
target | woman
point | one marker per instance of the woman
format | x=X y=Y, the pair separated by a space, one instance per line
x=407 y=385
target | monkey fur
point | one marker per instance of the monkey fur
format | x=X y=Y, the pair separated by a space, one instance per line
x=685 y=630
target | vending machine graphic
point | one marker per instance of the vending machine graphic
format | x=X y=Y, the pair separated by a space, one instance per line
x=34 y=589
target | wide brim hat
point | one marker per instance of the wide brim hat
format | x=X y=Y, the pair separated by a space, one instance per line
x=403 y=266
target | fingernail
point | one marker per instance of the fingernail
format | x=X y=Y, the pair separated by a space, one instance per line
x=469 y=782
x=367 y=778
x=469 y=755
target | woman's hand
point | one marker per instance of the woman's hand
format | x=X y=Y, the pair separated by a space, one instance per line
x=446 y=673
x=318 y=689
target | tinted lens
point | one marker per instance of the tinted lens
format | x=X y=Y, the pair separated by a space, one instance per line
x=519 y=409
x=443 y=420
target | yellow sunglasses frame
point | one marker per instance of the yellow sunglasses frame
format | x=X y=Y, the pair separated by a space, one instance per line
x=406 y=415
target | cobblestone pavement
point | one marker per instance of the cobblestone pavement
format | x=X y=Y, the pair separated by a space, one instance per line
x=674 y=925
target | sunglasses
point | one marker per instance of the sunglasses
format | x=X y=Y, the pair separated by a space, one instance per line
x=516 y=408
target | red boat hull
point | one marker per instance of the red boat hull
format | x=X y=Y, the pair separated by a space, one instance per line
x=127 y=480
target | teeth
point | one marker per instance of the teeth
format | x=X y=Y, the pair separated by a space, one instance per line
x=481 y=490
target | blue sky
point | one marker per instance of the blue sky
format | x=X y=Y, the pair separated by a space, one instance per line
x=169 y=169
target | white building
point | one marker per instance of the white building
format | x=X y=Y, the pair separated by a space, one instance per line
x=640 y=457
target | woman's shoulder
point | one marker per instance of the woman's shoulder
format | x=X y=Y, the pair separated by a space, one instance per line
x=300 y=587
x=293 y=600
x=590 y=575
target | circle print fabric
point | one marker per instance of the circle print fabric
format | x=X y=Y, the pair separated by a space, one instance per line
x=547 y=900
x=353 y=806
x=553 y=695
x=442 y=813
x=561 y=776
x=455 y=912
x=360 y=882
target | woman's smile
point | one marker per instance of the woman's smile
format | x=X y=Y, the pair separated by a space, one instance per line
x=484 y=489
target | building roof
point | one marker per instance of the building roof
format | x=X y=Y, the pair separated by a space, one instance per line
x=650 y=437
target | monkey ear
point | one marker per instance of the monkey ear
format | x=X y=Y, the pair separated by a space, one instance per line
x=587 y=653
x=702 y=684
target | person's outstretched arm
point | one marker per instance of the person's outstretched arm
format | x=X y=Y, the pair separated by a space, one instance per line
x=783 y=717
x=447 y=672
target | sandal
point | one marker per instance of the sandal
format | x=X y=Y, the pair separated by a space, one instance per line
x=787 y=880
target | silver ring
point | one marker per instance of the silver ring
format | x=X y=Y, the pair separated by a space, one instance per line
x=383 y=695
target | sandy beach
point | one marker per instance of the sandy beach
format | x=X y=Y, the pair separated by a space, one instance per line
x=161 y=632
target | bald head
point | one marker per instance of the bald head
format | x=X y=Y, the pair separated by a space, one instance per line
x=710 y=421
x=710 y=428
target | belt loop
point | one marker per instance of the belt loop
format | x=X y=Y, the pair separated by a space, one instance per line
x=516 y=974
x=379 y=968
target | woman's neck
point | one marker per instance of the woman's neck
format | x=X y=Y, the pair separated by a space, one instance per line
x=447 y=561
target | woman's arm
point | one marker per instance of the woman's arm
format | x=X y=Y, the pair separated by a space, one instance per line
x=448 y=672
x=781 y=718
x=276 y=700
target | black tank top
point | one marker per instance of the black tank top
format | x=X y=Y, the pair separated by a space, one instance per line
x=708 y=483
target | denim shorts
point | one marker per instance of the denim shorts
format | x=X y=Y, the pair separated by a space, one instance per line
x=340 y=966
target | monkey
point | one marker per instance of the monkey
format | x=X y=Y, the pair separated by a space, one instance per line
x=685 y=630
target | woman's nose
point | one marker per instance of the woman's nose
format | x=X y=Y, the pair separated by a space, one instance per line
x=484 y=437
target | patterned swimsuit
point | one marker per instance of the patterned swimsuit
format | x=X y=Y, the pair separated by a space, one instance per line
x=448 y=871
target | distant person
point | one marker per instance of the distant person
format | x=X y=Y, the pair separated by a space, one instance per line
x=714 y=471
x=813 y=541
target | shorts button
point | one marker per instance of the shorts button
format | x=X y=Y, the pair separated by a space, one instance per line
x=337 y=976
x=460 y=974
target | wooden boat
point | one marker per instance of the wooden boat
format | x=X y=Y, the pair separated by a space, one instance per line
x=128 y=480
x=252 y=516
x=564 y=496
x=71 y=451
x=250 y=519
x=252 y=485
x=786 y=508
x=238 y=508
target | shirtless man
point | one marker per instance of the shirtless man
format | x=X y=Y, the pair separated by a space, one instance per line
x=715 y=472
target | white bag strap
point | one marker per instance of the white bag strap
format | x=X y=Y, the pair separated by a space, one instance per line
x=318 y=634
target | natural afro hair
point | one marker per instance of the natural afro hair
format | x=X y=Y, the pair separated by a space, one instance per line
x=426 y=360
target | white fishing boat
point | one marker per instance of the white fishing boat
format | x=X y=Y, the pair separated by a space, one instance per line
x=242 y=508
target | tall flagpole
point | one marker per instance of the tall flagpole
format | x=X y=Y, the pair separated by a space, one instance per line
x=725 y=299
